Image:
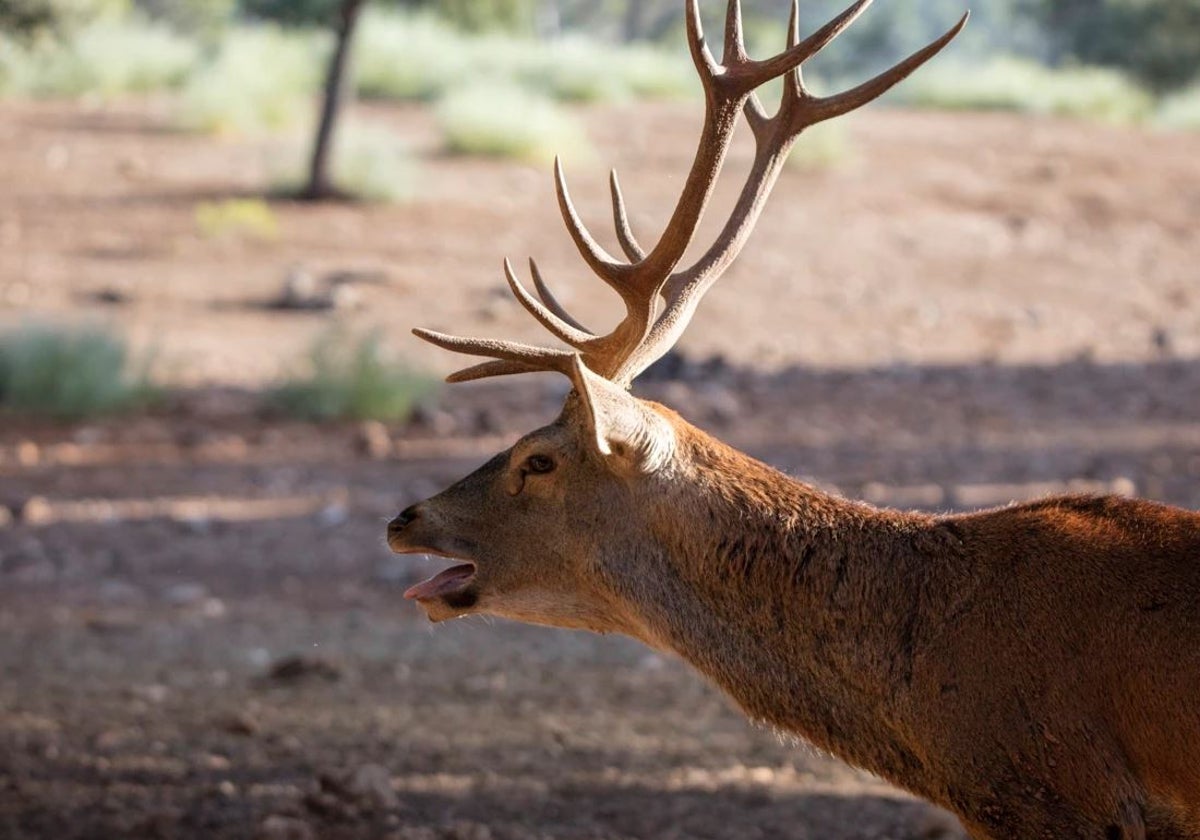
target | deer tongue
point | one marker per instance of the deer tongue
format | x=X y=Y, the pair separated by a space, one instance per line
x=447 y=583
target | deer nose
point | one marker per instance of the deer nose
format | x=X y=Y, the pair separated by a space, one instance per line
x=397 y=525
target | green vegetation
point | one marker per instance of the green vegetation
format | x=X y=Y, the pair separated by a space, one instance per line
x=372 y=165
x=1009 y=84
x=1181 y=110
x=503 y=120
x=238 y=218
x=260 y=79
x=107 y=57
x=69 y=373
x=410 y=57
x=421 y=58
x=349 y=379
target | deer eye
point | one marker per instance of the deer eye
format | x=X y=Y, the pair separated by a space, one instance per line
x=539 y=464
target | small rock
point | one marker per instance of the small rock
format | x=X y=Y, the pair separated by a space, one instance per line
x=434 y=420
x=214 y=762
x=345 y=296
x=240 y=723
x=277 y=827
x=88 y=436
x=227 y=789
x=299 y=290
x=155 y=693
x=185 y=594
x=212 y=608
x=368 y=788
x=371 y=785
x=333 y=515
x=372 y=440
x=36 y=511
x=295 y=669
x=6 y=518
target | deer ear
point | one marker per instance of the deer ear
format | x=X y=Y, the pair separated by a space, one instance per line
x=619 y=426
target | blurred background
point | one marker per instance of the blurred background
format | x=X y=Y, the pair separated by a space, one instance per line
x=219 y=221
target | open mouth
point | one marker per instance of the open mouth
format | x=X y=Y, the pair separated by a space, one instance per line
x=449 y=585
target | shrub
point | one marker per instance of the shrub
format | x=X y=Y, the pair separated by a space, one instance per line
x=409 y=57
x=370 y=164
x=1010 y=84
x=108 y=57
x=502 y=120
x=68 y=373
x=1181 y=110
x=350 y=379
x=260 y=79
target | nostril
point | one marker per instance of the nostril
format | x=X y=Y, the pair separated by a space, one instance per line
x=403 y=520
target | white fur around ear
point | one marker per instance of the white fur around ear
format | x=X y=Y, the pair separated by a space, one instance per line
x=619 y=425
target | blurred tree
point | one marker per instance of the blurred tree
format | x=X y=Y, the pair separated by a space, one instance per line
x=207 y=17
x=320 y=181
x=1156 y=40
x=27 y=18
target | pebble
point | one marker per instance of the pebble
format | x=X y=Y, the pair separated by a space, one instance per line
x=36 y=511
x=278 y=827
x=294 y=669
x=333 y=515
x=240 y=723
x=186 y=594
x=372 y=440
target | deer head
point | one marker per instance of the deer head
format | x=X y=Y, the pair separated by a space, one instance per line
x=553 y=530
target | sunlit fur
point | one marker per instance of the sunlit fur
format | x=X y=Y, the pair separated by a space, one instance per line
x=1034 y=669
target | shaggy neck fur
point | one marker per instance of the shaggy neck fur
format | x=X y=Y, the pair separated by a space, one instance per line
x=837 y=588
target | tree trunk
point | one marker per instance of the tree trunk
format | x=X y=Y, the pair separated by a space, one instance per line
x=320 y=180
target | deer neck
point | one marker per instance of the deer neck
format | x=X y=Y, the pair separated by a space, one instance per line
x=804 y=607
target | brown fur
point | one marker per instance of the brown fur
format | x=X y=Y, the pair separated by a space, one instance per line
x=1034 y=669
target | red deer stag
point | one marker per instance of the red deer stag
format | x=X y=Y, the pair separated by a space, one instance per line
x=1035 y=669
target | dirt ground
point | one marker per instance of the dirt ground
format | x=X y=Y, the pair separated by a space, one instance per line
x=201 y=630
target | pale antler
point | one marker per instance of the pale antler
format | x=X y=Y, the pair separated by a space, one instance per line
x=643 y=335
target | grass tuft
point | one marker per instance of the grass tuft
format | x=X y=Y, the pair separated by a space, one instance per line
x=69 y=373
x=238 y=218
x=349 y=379
x=503 y=120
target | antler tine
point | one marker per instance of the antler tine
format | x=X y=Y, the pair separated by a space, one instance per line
x=758 y=73
x=487 y=370
x=828 y=107
x=701 y=54
x=735 y=39
x=561 y=329
x=539 y=358
x=550 y=300
x=629 y=243
x=598 y=260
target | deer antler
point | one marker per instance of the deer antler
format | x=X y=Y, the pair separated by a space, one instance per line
x=645 y=335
